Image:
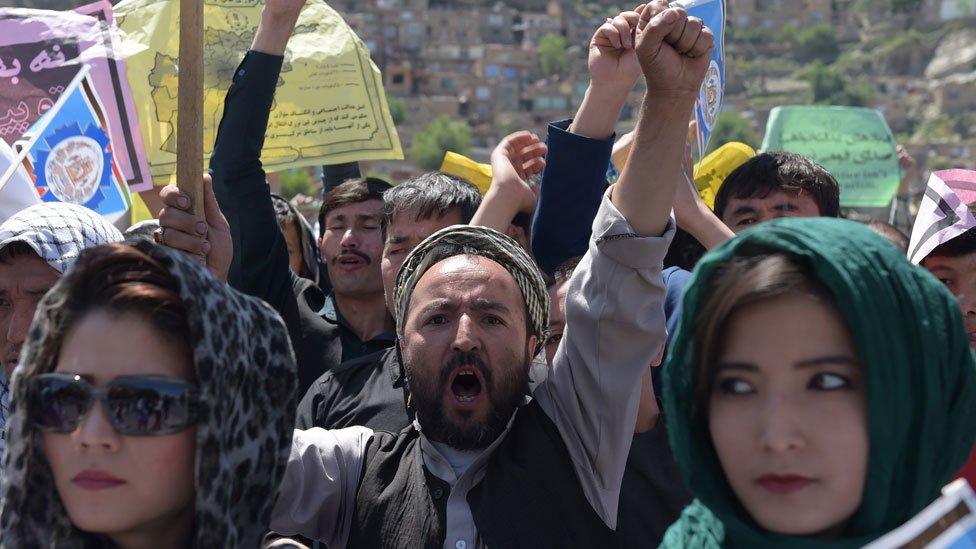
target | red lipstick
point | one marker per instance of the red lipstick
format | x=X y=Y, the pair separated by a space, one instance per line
x=784 y=484
x=96 y=480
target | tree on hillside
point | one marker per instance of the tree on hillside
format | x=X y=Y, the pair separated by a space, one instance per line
x=817 y=43
x=904 y=6
x=440 y=136
x=830 y=87
x=297 y=181
x=731 y=127
x=552 y=55
x=398 y=110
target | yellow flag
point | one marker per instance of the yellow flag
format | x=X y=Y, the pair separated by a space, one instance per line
x=714 y=168
x=329 y=108
x=461 y=166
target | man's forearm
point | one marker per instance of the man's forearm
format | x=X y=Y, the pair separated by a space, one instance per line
x=707 y=229
x=659 y=143
x=599 y=112
x=317 y=493
x=273 y=33
x=572 y=187
x=498 y=208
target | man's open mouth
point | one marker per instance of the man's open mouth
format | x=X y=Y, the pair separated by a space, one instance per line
x=350 y=260
x=466 y=384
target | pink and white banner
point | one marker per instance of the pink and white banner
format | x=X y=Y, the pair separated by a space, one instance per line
x=42 y=51
x=944 y=212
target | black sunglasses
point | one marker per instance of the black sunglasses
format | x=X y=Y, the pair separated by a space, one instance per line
x=134 y=405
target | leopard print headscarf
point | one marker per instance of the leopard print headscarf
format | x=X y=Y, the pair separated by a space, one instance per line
x=245 y=370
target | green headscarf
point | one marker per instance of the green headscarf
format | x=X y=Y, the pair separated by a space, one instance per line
x=920 y=375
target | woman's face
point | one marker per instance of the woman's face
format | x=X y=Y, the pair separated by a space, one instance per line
x=788 y=416
x=147 y=481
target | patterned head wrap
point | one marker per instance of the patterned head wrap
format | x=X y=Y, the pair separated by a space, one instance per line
x=244 y=368
x=58 y=232
x=481 y=242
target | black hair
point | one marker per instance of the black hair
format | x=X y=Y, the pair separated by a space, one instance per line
x=774 y=171
x=961 y=245
x=891 y=233
x=15 y=250
x=684 y=251
x=433 y=194
x=564 y=271
x=352 y=191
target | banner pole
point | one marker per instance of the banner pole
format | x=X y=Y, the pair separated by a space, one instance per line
x=189 y=122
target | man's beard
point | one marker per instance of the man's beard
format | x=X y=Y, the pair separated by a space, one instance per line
x=505 y=394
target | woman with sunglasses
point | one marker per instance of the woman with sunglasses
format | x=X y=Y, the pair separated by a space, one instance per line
x=819 y=390
x=153 y=408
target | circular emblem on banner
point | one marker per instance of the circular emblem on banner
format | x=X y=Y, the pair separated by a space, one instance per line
x=74 y=168
x=710 y=96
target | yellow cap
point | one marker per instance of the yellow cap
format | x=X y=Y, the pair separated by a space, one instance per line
x=461 y=166
x=711 y=172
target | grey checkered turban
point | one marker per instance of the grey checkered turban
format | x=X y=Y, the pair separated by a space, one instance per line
x=58 y=232
x=482 y=242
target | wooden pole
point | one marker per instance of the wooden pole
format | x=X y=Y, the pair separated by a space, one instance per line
x=189 y=122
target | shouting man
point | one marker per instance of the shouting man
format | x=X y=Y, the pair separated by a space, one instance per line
x=482 y=465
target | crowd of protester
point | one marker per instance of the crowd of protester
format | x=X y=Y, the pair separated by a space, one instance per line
x=535 y=367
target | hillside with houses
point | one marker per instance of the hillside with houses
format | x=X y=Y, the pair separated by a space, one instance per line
x=463 y=73
x=500 y=66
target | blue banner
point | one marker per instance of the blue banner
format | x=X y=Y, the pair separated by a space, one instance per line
x=70 y=152
x=712 y=93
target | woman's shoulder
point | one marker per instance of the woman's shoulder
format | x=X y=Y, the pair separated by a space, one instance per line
x=697 y=528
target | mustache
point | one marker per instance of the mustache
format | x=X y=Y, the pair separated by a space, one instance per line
x=356 y=253
x=465 y=359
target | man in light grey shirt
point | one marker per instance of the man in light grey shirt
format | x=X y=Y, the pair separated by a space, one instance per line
x=483 y=464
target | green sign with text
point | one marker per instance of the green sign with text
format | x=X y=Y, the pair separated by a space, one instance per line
x=854 y=144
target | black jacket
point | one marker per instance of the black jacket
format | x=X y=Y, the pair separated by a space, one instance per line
x=260 y=265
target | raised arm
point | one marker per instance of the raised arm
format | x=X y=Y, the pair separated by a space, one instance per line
x=690 y=211
x=516 y=158
x=260 y=256
x=614 y=312
x=574 y=180
x=674 y=54
x=260 y=265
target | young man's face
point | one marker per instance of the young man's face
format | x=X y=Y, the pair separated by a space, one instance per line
x=959 y=275
x=352 y=247
x=742 y=213
x=403 y=234
x=24 y=280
